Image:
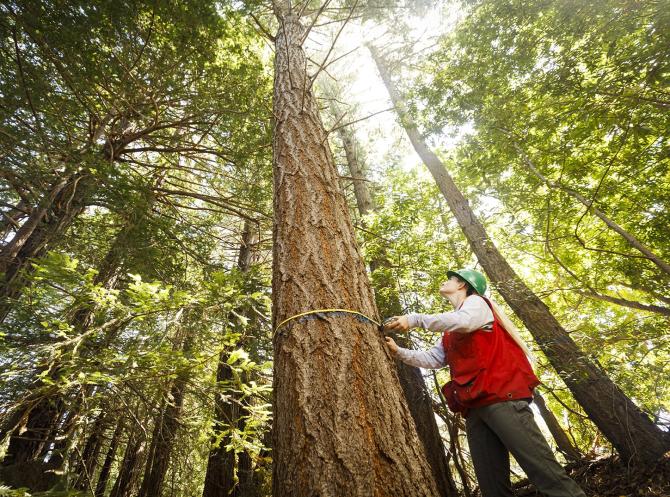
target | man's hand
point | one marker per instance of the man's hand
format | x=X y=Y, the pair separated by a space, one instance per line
x=399 y=324
x=390 y=343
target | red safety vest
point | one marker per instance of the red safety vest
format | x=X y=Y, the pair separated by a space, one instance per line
x=486 y=367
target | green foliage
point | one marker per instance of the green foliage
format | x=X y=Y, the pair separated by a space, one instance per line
x=558 y=100
x=139 y=311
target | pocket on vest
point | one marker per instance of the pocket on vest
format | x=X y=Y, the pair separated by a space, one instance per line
x=464 y=360
x=463 y=390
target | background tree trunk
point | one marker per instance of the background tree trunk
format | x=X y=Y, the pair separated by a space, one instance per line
x=341 y=425
x=101 y=486
x=29 y=440
x=88 y=461
x=630 y=430
x=35 y=420
x=46 y=223
x=130 y=466
x=165 y=432
x=413 y=385
x=230 y=411
x=562 y=441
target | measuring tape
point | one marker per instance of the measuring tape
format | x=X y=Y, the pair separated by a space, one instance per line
x=360 y=315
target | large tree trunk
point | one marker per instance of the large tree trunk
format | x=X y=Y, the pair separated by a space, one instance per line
x=411 y=380
x=341 y=425
x=632 y=433
x=229 y=411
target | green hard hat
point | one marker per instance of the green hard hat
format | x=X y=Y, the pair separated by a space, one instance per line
x=474 y=278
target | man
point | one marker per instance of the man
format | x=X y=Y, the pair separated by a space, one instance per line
x=491 y=384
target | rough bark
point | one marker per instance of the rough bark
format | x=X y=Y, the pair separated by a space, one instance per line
x=341 y=425
x=411 y=380
x=563 y=443
x=630 y=430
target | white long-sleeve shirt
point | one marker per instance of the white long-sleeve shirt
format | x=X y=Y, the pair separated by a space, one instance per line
x=474 y=314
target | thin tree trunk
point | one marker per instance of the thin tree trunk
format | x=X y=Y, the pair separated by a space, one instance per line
x=46 y=223
x=229 y=412
x=86 y=466
x=362 y=194
x=629 y=237
x=562 y=441
x=411 y=380
x=453 y=423
x=59 y=438
x=162 y=443
x=249 y=484
x=165 y=430
x=28 y=441
x=220 y=476
x=101 y=486
x=151 y=453
x=341 y=424
x=631 y=304
x=130 y=466
x=630 y=430
x=44 y=416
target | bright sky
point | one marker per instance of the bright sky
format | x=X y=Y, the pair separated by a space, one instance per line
x=363 y=88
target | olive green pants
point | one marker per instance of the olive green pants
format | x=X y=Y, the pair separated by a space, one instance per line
x=496 y=430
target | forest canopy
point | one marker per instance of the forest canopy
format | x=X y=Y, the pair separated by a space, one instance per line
x=180 y=181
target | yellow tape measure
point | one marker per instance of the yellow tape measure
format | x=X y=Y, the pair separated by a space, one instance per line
x=329 y=311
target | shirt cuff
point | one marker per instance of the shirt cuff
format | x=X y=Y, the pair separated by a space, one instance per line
x=402 y=354
x=413 y=320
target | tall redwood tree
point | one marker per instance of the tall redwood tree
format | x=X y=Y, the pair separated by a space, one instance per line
x=341 y=425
